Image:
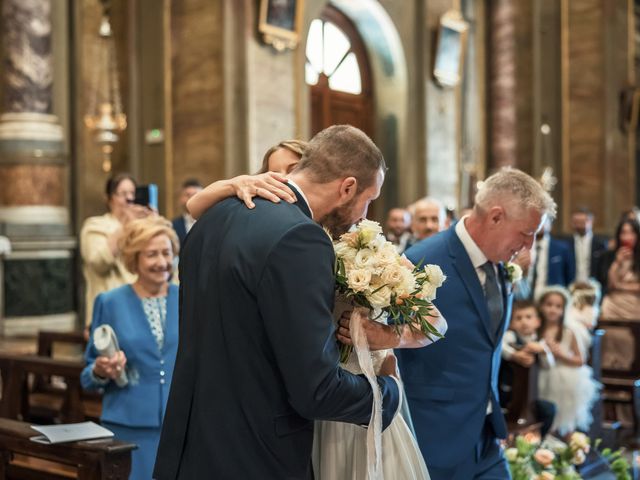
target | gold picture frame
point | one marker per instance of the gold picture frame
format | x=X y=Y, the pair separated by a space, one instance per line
x=279 y=23
x=450 y=49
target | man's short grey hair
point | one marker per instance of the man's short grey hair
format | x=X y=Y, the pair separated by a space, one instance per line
x=510 y=186
x=425 y=202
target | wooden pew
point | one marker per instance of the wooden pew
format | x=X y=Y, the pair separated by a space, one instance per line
x=45 y=393
x=21 y=458
x=16 y=371
x=621 y=366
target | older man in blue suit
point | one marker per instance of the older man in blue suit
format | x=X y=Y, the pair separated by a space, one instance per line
x=452 y=385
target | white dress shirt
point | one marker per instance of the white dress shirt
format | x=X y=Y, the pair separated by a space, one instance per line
x=582 y=246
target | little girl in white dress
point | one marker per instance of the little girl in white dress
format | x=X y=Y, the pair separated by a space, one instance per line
x=569 y=384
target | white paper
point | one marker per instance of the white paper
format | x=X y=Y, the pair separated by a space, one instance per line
x=70 y=432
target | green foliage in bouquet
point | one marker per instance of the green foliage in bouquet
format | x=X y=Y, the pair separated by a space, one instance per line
x=530 y=461
x=370 y=273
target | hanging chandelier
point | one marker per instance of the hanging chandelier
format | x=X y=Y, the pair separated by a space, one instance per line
x=104 y=115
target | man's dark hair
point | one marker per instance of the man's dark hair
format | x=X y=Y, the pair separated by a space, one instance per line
x=191 y=182
x=342 y=151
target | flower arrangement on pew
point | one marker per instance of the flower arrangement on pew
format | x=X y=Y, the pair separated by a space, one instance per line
x=372 y=275
x=529 y=460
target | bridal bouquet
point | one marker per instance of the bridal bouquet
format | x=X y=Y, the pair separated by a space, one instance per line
x=529 y=460
x=371 y=274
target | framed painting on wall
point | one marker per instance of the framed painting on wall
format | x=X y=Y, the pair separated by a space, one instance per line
x=279 y=22
x=450 y=49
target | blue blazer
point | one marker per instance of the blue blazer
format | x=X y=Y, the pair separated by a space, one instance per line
x=449 y=383
x=561 y=267
x=142 y=402
x=180 y=228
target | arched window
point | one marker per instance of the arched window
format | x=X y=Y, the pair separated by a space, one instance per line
x=337 y=72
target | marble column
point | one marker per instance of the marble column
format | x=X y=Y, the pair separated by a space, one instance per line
x=38 y=273
x=502 y=84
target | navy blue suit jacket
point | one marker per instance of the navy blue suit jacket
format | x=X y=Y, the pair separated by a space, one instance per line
x=598 y=248
x=257 y=360
x=180 y=228
x=449 y=383
x=561 y=267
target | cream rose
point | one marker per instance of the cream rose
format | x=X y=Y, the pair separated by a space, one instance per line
x=359 y=279
x=579 y=441
x=346 y=252
x=429 y=291
x=381 y=298
x=365 y=258
x=544 y=457
x=392 y=275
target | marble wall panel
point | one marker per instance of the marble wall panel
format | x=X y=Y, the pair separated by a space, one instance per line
x=32 y=185
x=197 y=93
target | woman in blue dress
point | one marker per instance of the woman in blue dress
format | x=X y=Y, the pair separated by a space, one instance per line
x=144 y=317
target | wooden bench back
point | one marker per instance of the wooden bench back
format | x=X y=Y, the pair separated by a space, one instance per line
x=21 y=458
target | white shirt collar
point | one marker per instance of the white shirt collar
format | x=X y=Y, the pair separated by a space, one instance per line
x=304 y=197
x=473 y=250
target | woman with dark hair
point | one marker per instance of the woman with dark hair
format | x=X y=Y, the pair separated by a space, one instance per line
x=101 y=265
x=622 y=298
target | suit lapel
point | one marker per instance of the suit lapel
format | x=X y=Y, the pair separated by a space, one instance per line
x=468 y=275
x=506 y=287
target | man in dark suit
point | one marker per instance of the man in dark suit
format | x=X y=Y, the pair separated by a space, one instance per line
x=257 y=360
x=185 y=221
x=552 y=262
x=452 y=386
x=585 y=247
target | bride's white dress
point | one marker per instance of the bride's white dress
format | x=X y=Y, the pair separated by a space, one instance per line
x=340 y=449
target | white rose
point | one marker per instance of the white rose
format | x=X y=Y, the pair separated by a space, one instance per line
x=369 y=230
x=345 y=251
x=428 y=291
x=381 y=298
x=358 y=279
x=365 y=258
x=515 y=272
x=408 y=283
x=388 y=255
x=434 y=275
x=511 y=454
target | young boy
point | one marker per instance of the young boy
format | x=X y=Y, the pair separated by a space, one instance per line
x=520 y=345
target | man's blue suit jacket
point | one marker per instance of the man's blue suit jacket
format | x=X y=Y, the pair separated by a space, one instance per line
x=561 y=266
x=449 y=383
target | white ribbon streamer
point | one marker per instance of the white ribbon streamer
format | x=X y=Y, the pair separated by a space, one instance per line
x=374 y=433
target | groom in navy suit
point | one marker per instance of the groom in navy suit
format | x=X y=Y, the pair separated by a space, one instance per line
x=452 y=386
x=257 y=360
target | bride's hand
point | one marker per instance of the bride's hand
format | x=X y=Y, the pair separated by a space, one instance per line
x=379 y=335
x=270 y=186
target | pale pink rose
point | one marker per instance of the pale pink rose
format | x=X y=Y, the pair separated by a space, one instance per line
x=544 y=457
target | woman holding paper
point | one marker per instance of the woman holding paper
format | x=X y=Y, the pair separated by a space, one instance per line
x=138 y=324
